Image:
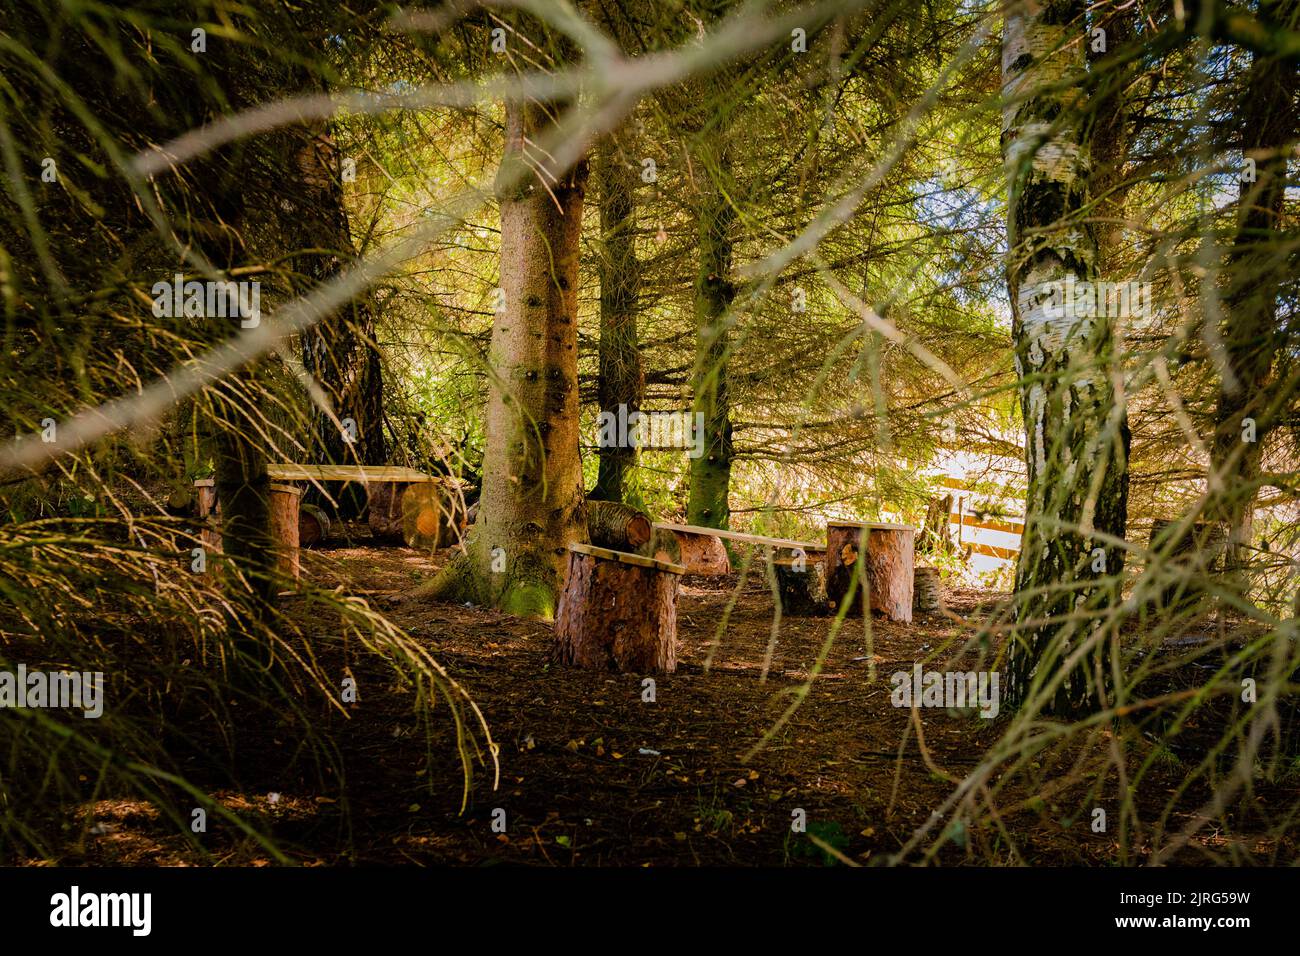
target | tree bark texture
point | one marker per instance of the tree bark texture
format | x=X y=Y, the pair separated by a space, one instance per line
x=621 y=379
x=880 y=558
x=532 y=505
x=1063 y=354
x=710 y=479
x=618 y=613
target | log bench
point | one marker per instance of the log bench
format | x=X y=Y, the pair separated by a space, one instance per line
x=701 y=551
x=880 y=556
x=617 y=612
x=425 y=507
x=406 y=506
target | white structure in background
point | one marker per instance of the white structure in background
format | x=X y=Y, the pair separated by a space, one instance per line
x=986 y=524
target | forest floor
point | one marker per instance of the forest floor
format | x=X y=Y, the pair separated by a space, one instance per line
x=593 y=774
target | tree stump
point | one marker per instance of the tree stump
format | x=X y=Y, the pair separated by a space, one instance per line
x=935 y=536
x=612 y=524
x=801 y=586
x=285 y=499
x=880 y=557
x=697 y=553
x=617 y=612
x=208 y=509
x=313 y=526
x=925 y=585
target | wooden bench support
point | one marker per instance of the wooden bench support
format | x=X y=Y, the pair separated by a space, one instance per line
x=285 y=500
x=618 y=612
x=880 y=556
x=801 y=586
x=697 y=552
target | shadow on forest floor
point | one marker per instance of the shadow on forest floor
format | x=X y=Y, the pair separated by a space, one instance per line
x=592 y=774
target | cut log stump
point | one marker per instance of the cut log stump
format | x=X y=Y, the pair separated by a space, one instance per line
x=698 y=553
x=612 y=524
x=618 y=612
x=880 y=557
x=801 y=586
x=313 y=526
x=426 y=515
x=925 y=586
x=285 y=499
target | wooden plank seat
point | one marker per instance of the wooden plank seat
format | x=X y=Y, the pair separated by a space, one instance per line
x=700 y=550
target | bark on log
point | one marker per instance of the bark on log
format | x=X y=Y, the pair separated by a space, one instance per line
x=313 y=526
x=880 y=557
x=617 y=612
x=209 y=510
x=698 y=553
x=801 y=587
x=612 y=524
x=928 y=596
x=285 y=499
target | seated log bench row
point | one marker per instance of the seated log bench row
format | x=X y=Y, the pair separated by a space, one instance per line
x=406 y=505
x=618 y=611
x=812 y=578
x=701 y=550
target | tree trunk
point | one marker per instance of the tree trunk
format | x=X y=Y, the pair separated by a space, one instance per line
x=244 y=492
x=532 y=504
x=340 y=352
x=618 y=613
x=710 y=483
x=935 y=536
x=880 y=558
x=621 y=380
x=1253 y=338
x=1074 y=441
x=611 y=524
